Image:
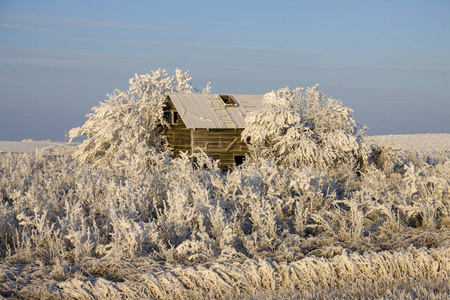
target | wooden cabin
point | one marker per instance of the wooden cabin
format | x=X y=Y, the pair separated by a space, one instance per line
x=210 y=122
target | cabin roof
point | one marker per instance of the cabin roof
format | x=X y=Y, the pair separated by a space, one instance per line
x=214 y=110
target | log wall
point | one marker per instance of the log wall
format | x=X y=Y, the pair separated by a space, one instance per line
x=220 y=144
x=178 y=136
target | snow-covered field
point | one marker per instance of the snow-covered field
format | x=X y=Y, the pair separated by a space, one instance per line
x=421 y=142
x=28 y=146
x=74 y=231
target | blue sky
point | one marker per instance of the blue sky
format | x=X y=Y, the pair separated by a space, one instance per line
x=387 y=60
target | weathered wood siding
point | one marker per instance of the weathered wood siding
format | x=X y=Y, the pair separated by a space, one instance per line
x=222 y=144
x=178 y=136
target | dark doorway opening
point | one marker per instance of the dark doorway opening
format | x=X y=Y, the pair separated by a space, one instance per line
x=239 y=160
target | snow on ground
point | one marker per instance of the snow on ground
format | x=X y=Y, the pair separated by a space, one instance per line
x=31 y=146
x=420 y=142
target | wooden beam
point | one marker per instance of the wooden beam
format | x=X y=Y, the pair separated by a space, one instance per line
x=192 y=142
x=231 y=144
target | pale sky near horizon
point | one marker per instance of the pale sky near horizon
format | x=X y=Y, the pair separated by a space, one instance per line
x=387 y=60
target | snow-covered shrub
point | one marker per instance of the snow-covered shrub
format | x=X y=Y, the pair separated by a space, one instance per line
x=130 y=122
x=8 y=224
x=298 y=128
x=176 y=228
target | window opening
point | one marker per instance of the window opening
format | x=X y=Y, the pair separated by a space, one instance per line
x=227 y=99
x=174 y=117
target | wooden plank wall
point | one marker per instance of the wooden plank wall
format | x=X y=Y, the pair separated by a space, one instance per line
x=178 y=136
x=179 y=139
x=222 y=144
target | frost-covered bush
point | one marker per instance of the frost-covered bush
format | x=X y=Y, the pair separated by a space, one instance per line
x=387 y=158
x=175 y=227
x=305 y=128
x=130 y=122
x=168 y=228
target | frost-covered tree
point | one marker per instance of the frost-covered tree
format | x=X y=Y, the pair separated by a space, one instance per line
x=130 y=122
x=299 y=128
